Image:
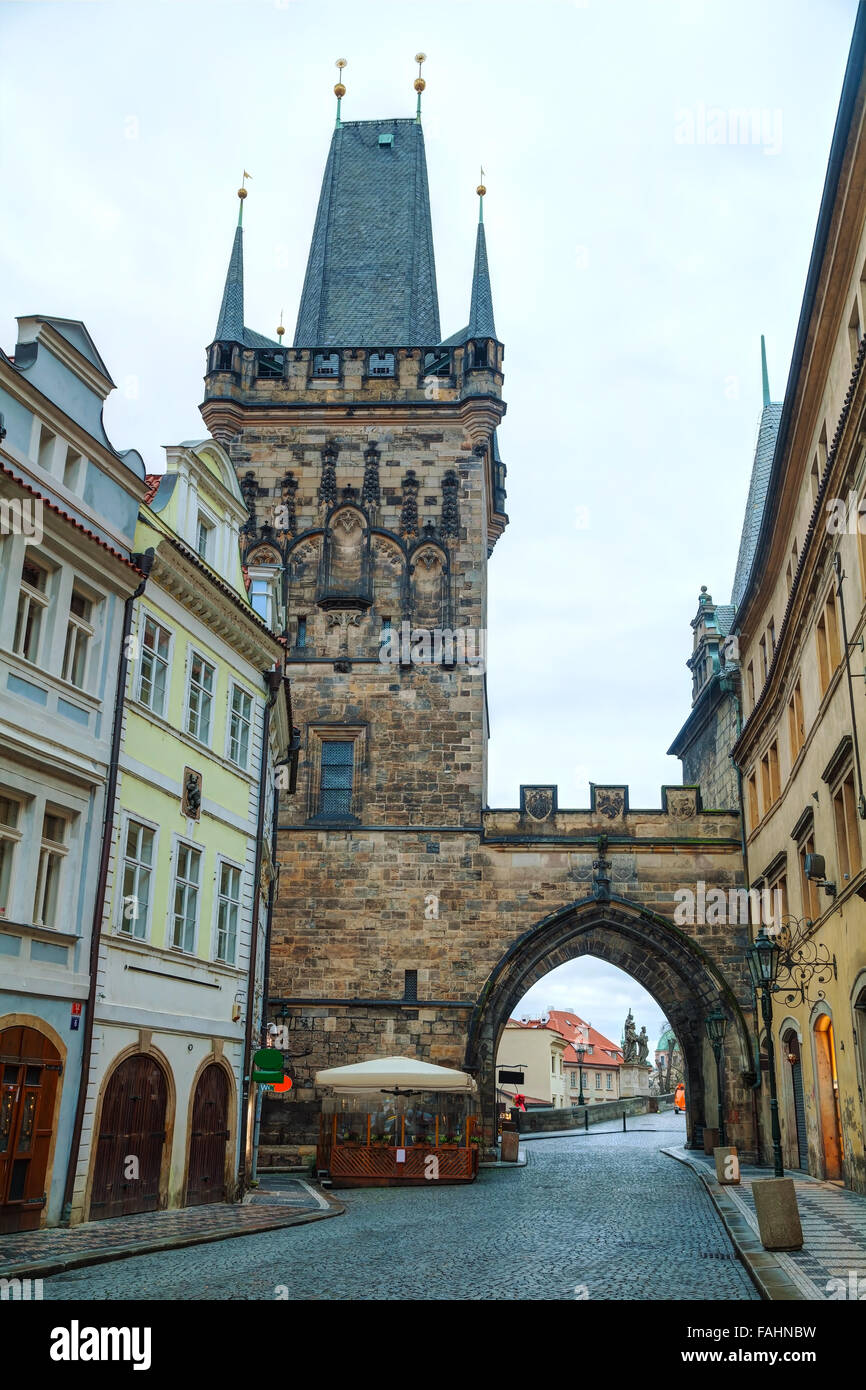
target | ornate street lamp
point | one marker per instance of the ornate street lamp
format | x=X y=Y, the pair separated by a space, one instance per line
x=716 y=1025
x=581 y=1052
x=763 y=958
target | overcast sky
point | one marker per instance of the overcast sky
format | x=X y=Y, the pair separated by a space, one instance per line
x=636 y=257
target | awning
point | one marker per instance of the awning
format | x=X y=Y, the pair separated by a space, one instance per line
x=394 y=1073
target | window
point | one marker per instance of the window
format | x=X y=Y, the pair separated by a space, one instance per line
x=240 y=718
x=750 y=682
x=187 y=876
x=381 y=364
x=47 y=441
x=32 y=603
x=269 y=365
x=796 y=727
x=808 y=887
x=854 y=330
x=326 y=364
x=261 y=599
x=204 y=537
x=771 y=633
x=136 y=879
x=228 y=907
x=553 y=1066
x=302 y=633
x=779 y=899
x=51 y=855
x=609 y=1082
x=598 y=1081
x=847 y=828
x=338 y=766
x=827 y=637
x=754 y=813
x=199 y=708
x=10 y=811
x=72 y=470
x=153 y=670
x=762 y=647
x=78 y=634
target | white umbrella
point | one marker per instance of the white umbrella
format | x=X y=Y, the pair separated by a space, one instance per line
x=394 y=1073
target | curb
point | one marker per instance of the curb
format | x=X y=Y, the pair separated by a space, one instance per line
x=85 y=1258
x=764 y=1270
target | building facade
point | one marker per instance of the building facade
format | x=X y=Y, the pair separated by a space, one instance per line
x=181 y=959
x=530 y=1046
x=68 y=507
x=798 y=627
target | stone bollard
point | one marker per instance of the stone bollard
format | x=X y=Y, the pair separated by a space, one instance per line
x=727 y=1165
x=778 y=1215
x=510 y=1146
x=653 y=1106
x=711 y=1139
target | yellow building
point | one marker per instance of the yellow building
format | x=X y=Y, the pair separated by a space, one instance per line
x=539 y=1052
x=800 y=624
x=169 y=1116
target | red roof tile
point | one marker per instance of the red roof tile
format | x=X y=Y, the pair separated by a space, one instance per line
x=58 y=511
x=153 y=481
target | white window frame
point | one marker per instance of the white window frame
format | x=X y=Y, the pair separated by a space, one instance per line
x=11 y=835
x=224 y=862
x=83 y=628
x=40 y=597
x=49 y=849
x=178 y=845
x=120 y=918
x=205 y=518
x=192 y=655
x=145 y=616
x=236 y=686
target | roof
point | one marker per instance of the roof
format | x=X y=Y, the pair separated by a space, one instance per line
x=58 y=511
x=371 y=277
x=760 y=480
x=230 y=324
x=573 y=1028
x=152 y=481
x=481 y=323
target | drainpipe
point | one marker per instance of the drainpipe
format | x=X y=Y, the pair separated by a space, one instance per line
x=273 y=680
x=145 y=564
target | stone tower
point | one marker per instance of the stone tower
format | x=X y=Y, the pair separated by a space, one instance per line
x=368 y=456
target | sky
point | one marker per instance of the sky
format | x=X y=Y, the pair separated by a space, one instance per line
x=641 y=238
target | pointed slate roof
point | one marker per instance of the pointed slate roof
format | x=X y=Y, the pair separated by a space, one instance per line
x=758 y=485
x=371 y=277
x=230 y=324
x=481 y=323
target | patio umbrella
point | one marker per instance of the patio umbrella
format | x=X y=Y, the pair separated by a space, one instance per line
x=394 y=1073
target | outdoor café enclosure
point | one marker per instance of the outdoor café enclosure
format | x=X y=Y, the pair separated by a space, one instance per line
x=394 y=1120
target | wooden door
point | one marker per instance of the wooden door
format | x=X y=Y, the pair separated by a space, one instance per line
x=29 y=1071
x=131 y=1139
x=206 y=1178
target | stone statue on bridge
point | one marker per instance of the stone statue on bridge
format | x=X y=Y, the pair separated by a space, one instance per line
x=642 y=1046
x=629 y=1045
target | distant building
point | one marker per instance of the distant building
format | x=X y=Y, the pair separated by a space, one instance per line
x=531 y=1046
x=553 y=1069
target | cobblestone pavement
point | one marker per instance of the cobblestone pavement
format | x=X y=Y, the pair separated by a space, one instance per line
x=280 y=1200
x=834 y=1231
x=607 y=1212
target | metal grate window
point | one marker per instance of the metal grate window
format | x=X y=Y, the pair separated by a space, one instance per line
x=410 y=985
x=338 y=766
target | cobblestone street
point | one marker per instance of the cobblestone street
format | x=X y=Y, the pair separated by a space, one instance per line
x=604 y=1210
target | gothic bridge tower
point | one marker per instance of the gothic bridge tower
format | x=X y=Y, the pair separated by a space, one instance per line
x=409 y=916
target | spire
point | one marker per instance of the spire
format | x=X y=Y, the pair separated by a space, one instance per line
x=765 y=380
x=339 y=88
x=481 y=323
x=230 y=324
x=371 y=276
x=420 y=84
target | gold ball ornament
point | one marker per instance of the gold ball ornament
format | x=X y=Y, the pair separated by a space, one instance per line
x=339 y=90
x=420 y=57
x=419 y=84
x=242 y=192
x=481 y=190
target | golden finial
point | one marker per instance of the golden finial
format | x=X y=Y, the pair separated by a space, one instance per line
x=281 y=330
x=242 y=191
x=481 y=189
x=420 y=84
x=339 y=89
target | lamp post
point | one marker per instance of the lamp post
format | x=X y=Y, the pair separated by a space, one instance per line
x=716 y=1025
x=763 y=960
x=581 y=1051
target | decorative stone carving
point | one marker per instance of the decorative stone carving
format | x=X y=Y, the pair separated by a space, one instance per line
x=450 y=524
x=409 y=512
x=629 y=1045
x=682 y=804
x=370 y=491
x=288 y=489
x=609 y=802
x=249 y=491
x=539 y=803
x=328 y=484
x=642 y=1046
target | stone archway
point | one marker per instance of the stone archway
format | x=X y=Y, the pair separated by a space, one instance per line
x=681 y=977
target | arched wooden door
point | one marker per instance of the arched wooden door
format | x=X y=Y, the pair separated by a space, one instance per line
x=131 y=1140
x=828 y=1097
x=206 y=1176
x=29 y=1071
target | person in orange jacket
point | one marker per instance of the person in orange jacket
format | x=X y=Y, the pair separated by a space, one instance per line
x=680 y=1099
